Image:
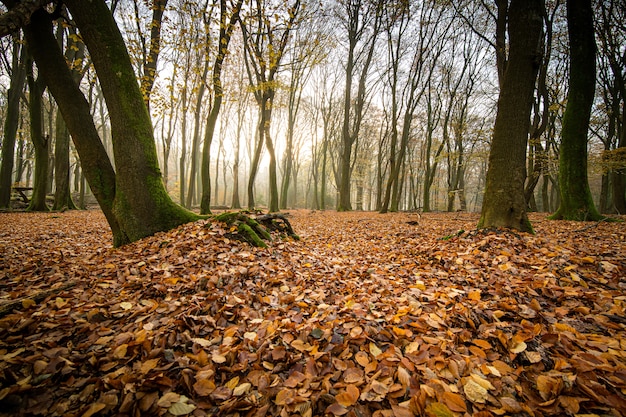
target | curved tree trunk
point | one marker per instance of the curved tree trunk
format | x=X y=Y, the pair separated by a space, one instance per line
x=134 y=200
x=77 y=115
x=504 y=204
x=576 y=200
x=141 y=204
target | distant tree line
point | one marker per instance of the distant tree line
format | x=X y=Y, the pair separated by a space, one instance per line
x=167 y=108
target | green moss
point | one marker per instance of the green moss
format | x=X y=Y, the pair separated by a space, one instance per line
x=248 y=234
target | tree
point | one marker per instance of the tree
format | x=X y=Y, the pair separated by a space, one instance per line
x=11 y=121
x=363 y=21
x=74 y=54
x=227 y=26
x=133 y=198
x=504 y=204
x=612 y=80
x=41 y=142
x=265 y=44
x=576 y=200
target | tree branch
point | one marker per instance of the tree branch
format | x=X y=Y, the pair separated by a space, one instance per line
x=18 y=15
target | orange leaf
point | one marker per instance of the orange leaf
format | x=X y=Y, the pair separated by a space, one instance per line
x=204 y=387
x=348 y=397
x=336 y=409
x=454 y=402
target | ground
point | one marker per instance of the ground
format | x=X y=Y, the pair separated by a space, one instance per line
x=368 y=314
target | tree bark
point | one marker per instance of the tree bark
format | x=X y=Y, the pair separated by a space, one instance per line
x=504 y=204
x=576 y=200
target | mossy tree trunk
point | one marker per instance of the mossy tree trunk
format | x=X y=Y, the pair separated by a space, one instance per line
x=76 y=112
x=576 y=200
x=504 y=204
x=134 y=200
x=226 y=31
x=62 y=195
x=141 y=204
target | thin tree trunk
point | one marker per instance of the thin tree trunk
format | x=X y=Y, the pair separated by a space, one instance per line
x=40 y=141
x=11 y=122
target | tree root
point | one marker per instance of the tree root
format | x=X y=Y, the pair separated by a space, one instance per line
x=255 y=228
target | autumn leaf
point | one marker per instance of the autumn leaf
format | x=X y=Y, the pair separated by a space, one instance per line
x=385 y=320
x=348 y=397
x=204 y=387
x=454 y=402
x=475 y=392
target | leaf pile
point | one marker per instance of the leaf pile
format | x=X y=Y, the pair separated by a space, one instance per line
x=368 y=315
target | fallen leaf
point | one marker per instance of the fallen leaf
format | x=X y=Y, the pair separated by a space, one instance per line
x=348 y=397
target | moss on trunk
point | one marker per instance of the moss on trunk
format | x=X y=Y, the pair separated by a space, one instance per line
x=576 y=200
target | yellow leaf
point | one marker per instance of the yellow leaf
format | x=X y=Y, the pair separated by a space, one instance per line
x=59 y=302
x=284 y=397
x=27 y=303
x=418 y=284
x=439 y=410
x=518 y=347
x=475 y=392
x=242 y=389
x=232 y=384
x=375 y=350
x=482 y=381
x=120 y=351
x=149 y=365
x=126 y=305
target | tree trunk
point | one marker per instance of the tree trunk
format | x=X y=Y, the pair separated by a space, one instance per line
x=150 y=66
x=504 y=204
x=74 y=53
x=41 y=143
x=134 y=200
x=11 y=122
x=576 y=200
x=76 y=112
x=224 y=40
x=62 y=195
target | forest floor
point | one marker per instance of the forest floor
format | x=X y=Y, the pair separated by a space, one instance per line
x=366 y=315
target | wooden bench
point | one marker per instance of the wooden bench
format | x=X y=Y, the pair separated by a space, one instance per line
x=22 y=192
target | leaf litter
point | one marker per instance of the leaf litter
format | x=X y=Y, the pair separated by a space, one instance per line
x=368 y=315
